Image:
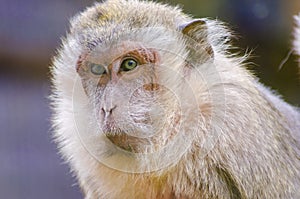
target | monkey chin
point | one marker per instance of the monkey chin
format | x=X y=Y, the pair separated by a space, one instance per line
x=131 y=142
x=126 y=142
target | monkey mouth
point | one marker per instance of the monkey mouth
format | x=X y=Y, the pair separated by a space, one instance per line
x=120 y=138
x=125 y=140
x=135 y=144
x=130 y=143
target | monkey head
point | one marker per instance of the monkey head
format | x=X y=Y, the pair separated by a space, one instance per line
x=138 y=76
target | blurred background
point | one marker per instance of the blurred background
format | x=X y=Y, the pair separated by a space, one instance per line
x=30 y=32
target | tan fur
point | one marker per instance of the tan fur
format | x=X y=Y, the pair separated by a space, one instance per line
x=240 y=139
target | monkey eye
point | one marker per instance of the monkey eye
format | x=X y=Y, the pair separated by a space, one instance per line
x=97 y=69
x=129 y=64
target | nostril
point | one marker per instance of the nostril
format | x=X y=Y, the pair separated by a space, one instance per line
x=102 y=111
x=107 y=111
x=111 y=110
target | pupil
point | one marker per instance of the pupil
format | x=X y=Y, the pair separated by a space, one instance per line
x=130 y=63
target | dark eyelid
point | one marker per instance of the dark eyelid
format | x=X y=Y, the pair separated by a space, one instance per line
x=141 y=55
x=130 y=57
x=133 y=56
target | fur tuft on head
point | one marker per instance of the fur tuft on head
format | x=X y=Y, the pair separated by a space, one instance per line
x=297 y=34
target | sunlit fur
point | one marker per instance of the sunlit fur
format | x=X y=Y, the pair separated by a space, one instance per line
x=297 y=35
x=255 y=147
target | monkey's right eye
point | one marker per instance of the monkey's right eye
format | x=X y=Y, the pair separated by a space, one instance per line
x=97 y=69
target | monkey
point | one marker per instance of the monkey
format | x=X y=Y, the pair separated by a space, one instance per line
x=149 y=103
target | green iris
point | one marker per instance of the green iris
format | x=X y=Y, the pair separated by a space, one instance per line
x=97 y=69
x=128 y=64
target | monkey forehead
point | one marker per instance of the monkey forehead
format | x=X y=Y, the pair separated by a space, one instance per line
x=115 y=39
x=106 y=55
x=128 y=13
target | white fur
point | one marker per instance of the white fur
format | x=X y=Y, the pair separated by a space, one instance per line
x=297 y=35
x=232 y=124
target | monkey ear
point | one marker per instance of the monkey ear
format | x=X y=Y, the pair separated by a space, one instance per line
x=197 y=31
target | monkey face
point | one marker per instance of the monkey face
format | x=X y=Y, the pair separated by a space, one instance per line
x=142 y=90
x=131 y=105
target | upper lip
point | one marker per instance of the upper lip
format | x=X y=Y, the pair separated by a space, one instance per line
x=109 y=127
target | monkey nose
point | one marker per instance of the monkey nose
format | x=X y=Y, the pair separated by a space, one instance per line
x=107 y=111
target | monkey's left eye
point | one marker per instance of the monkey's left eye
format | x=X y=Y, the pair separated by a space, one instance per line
x=129 y=64
x=97 y=69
